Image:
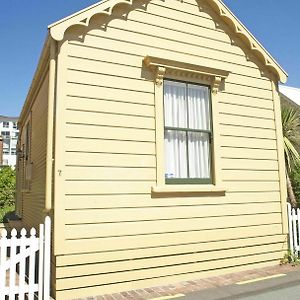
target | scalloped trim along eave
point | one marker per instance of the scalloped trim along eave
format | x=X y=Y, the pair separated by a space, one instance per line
x=106 y=7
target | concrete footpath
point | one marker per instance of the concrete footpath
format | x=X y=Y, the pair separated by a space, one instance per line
x=241 y=285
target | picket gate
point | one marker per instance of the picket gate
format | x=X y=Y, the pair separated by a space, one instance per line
x=25 y=263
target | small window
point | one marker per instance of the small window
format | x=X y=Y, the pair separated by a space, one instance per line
x=13 y=151
x=27 y=142
x=5 y=124
x=5 y=134
x=6 y=152
x=27 y=165
x=15 y=125
x=188 y=133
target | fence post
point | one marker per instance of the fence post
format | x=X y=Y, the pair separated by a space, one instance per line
x=12 y=269
x=290 y=228
x=3 y=252
x=297 y=230
x=294 y=221
x=47 y=251
x=23 y=239
x=41 y=261
x=32 y=263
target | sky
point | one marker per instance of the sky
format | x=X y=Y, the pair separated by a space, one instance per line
x=23 y=29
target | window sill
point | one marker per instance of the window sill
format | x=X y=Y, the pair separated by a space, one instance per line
x=187 y=190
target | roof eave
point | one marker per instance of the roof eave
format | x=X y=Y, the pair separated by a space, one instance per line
x=83 y=17
x=42 y=64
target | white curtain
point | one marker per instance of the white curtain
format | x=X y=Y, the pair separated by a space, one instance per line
x=176 y=154
x=175 y=108
x=198 y=106
x=175 y=104
x=198 y=143
x=199 y=155
x=187 y=155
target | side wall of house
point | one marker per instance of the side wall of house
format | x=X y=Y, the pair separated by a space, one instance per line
x=111 y=233
x=31 y=191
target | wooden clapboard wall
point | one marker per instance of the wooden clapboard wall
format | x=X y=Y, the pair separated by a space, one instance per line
x=111 y=234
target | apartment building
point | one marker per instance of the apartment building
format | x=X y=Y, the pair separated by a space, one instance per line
x=9 y=132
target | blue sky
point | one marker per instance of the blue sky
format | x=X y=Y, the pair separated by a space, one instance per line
x=23 y=28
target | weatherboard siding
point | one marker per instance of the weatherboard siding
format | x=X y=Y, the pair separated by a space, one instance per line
x=34 y=198
x=114 y=235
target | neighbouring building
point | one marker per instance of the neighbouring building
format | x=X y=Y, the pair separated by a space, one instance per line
x=290 y=95
x=9 y=132
x=152 y=136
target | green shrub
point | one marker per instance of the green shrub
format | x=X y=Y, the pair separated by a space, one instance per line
x=4 y=211
x=7 y=187
x=295 y=179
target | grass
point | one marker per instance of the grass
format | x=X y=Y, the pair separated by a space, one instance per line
x=4 y=210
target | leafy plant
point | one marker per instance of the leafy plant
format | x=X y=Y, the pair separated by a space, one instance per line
x=295 y=179
x=291 y=129
x=7 y=187
x=290 y=258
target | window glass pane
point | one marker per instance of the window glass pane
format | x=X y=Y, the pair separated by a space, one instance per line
x=5 y=134
x=175 y=154
x=175 y=104
x=199 y=155
x=198 y=107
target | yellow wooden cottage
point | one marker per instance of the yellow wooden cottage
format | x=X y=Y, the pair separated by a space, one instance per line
x=152 y=136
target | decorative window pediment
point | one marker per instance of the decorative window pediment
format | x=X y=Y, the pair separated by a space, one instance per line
x=165 y=67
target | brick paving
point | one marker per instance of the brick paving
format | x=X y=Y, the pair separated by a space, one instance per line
x=186 y=287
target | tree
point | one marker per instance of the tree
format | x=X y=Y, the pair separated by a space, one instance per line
x=291 y=130
x=7 y=186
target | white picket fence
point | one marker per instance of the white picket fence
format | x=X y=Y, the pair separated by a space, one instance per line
x=25 y=264
x=294 y=230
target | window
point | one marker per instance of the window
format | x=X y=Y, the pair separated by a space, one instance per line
x=5 y=124
x=15 y=125
x=27 y=165
x=187 y=133
x=5 y=134
x=6 y=152
x=187 y=162
x=27 y=142
x=13 y=151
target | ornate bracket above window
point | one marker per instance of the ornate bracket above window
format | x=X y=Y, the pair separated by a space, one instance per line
x=164 y=67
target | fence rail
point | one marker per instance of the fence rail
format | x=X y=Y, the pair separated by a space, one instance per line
x=25 y=263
